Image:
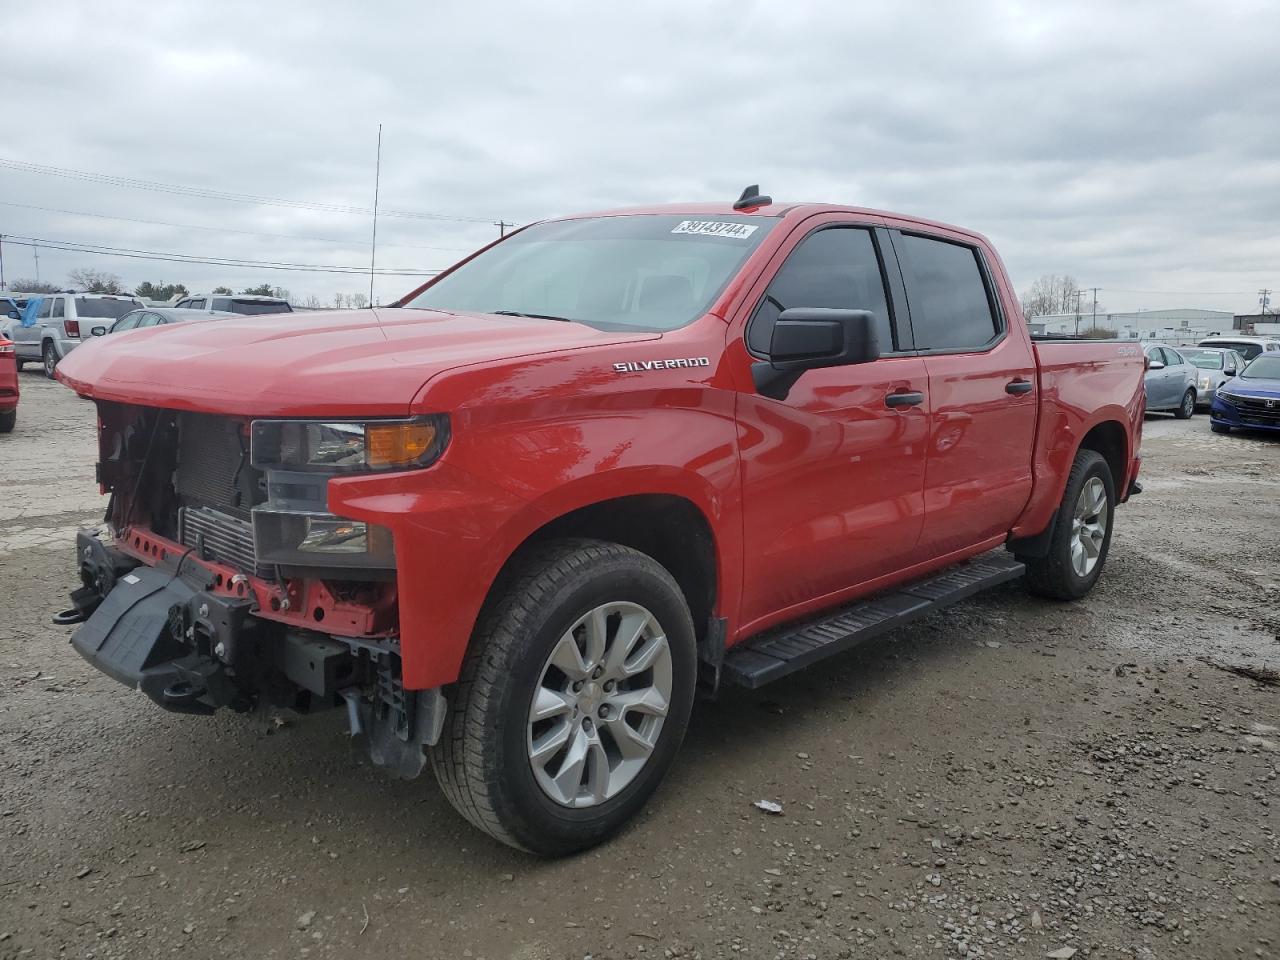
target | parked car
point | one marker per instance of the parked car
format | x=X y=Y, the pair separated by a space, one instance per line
x=1247 y=347
x=1214 y=366
x=11 y=310
x=1251 y=400
x=159 y=317
x=245 y=303
x=54 y=324
x=512 y=524
x=1170 y=381
x=8 y=386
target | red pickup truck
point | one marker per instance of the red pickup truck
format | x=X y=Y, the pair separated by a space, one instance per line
x=514 y=522
x=8 y=386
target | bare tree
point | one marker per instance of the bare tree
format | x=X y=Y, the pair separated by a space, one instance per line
x=312 y=302
x=358 y=300
x=26 y=285
x=95 y=281
x=339 y=300
x=1052 y=294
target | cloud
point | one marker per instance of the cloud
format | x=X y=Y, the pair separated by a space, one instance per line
x=1132 y=145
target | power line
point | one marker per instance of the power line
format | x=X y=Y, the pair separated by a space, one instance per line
x=130 y=253
x=247 y=233
x=1181 y=293
x=209 y=194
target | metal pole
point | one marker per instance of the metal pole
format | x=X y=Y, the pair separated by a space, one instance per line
x=373 y=245
x=2 y=286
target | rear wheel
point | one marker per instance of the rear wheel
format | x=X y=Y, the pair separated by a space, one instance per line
x=21 y=362
x=573 y=699
x=50 y=359
x=1187 y=407
x=8 y=420
x=1081 y=533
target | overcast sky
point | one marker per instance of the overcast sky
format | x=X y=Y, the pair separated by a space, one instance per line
x=1133 y=145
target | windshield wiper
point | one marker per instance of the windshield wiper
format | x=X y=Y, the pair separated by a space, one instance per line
x=535 y=316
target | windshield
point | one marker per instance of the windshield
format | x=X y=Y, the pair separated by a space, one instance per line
x=642 y=272
x=251 y=307
x=1264 y=368
x=1206 y=359
x=109 y=309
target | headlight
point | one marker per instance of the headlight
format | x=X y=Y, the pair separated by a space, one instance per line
x=291 y=538
x=1222 y=394
x=348 y=447
x=299 y=458
x=1205 y=384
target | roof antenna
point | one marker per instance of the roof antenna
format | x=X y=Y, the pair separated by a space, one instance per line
x=751 y=198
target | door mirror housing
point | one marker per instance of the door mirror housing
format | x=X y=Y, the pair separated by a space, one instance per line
x=1155 y=365
x=98 y=331
x=809 y=338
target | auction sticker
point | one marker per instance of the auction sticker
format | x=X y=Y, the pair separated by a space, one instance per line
x=715 y=228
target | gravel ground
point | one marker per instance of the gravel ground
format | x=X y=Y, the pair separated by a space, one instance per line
x=1013 y=778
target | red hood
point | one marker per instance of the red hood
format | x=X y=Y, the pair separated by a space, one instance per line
x=348 y=363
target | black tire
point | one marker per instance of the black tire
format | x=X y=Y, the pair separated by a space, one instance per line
x=50 y=358
x=21 y=363
x=482 y=761
x=8 y=421
x=1053 y=574
x=1187 y=407
x=1219 y=428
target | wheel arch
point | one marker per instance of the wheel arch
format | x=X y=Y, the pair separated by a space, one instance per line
x=669 y=527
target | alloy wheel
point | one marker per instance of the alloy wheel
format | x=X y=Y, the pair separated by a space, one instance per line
x=600 y=705
x=1089 y=526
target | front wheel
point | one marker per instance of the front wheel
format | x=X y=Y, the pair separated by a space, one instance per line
x=8 y=420
x=573 y=700
x=1081 y=533
x=50 y=359
x=1187 y=407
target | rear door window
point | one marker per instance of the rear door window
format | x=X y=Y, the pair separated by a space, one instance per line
x=832 y=267
x=58 y=308
x=951 y=306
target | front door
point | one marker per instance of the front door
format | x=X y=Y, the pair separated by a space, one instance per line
x=832 y=476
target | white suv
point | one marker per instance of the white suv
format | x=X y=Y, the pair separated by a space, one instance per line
x=59 y=322
x=243 y=303
x=1247 y=347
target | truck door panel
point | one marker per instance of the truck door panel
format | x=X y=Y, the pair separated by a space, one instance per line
x=832 y=477
x=982 y=390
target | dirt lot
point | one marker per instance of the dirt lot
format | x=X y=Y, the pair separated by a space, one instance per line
x=1013 y=778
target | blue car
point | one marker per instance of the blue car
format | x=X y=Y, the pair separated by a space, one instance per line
x=1250 y=400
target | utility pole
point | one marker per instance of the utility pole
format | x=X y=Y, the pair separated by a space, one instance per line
x=2 y=286
x=1078 y=294
x=502 y=227
x=1264 y=298
x=35 y=252
x=1095 y=307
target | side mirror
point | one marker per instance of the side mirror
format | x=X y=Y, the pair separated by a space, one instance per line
x=1156 y=365
x=809 y=338
x=1230 y=371
x=98 y=332
x=13 y=315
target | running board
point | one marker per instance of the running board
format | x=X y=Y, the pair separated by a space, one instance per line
x=782 y=651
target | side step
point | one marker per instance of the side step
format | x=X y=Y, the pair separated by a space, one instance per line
x=784 y=650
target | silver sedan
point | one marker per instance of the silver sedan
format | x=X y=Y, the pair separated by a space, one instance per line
x=1214 y=367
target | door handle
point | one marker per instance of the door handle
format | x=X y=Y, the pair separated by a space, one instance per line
x=906 y=398
x=1019 y=386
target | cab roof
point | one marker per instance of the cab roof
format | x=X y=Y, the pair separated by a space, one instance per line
x=774 y=209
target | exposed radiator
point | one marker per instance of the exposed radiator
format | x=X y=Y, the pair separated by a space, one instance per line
x=218 y=536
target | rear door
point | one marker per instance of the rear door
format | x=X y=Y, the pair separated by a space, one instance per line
x=832 y=476
x=982 y=390
x=26 y=339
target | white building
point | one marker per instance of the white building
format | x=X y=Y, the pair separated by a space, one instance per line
x=1178 y=325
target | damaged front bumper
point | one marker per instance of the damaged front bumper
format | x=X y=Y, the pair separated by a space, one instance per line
x=163 y=630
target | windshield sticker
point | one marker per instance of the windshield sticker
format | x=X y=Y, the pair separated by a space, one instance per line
x=715 y=228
